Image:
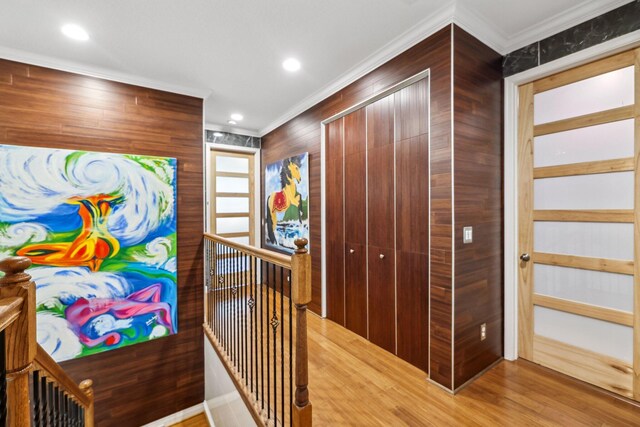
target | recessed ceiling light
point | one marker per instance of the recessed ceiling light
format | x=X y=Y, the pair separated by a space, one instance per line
x=237 y=117
x=232 y=122
x=75 y=32
x=291 y=65
x=218 y=134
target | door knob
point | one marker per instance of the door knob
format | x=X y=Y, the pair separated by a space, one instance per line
x=525 y=257
x=351 y=251
x=381 y=256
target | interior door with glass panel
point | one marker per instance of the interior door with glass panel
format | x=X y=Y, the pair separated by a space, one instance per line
x=232 y=196
x=578 y=233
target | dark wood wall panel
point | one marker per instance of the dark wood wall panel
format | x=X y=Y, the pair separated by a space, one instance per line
x=335 y=221
x=48 y=108
x=478 y=203
x=412 y=223
x=382 y=310
x=355 y=201
x=302 y=133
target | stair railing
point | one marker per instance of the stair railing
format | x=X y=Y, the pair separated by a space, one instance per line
x=256 y=320
x=34 y=389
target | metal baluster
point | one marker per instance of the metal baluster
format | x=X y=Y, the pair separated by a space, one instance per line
x=274 y=326
x=3 y=379
x=216 y=287
x=45 y=403
x=282 y=342
x=65 y=409
x=244 y=318
x=236 y=315
x=290 y=353
x=81 y=416
x=227 y=300
x=261 y=336
x=254 y=275
x=52 y=398
x=35 y=376
x=268 y=347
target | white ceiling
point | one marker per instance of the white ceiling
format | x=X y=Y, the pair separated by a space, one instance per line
x=230 y=51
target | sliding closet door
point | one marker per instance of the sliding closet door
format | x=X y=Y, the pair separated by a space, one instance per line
x=335 y=223
x=355 y=217
x=412 y=223
x=381 y=223
x=579 y=273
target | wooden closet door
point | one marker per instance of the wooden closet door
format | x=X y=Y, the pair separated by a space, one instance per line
x=381 y=223
x=335 y=217
x=355 y=217
x=412 y=223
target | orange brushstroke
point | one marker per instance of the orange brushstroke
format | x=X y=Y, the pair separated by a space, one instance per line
x=91 y=247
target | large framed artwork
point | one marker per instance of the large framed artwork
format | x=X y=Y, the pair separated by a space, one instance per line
x=287 y=202
x=100 y=230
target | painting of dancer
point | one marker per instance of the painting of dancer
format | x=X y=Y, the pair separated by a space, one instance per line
x=287 y=202
x=100 y=230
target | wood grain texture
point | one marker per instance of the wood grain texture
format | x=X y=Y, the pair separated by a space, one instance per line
x=334 y=164
x=381 y=302
x=585 y=263
x=47 y=108
x=583 y=72
x=605 y=215
x=593 y=119
x=595 y=312
x=510 y=394
x=597 y=369
x=585 y=168
x=478 y=203
x=355 y=274
x=636 y=232
x=525 y=221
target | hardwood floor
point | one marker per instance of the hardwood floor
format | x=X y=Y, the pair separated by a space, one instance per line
x=353 y=382
x=199 y=420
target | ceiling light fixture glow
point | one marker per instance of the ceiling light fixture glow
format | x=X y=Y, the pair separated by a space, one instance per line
x=237 y=117
x=218 y=134
x=292 y=65
x=75 y=32
x=232 y=122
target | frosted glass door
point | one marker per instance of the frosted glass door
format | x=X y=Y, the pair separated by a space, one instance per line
x=232 y=198
x=578 y=185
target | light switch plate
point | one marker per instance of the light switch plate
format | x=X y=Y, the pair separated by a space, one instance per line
x=467 y=235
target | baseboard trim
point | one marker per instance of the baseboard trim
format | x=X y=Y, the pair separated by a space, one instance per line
x=181 y=416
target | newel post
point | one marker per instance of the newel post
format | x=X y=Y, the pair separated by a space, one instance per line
x=87 y=387
x=20 y=338
x=301 y=296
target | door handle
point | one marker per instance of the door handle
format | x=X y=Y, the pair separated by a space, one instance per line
x=381 y=256
x=351 y=251
x=525 y=257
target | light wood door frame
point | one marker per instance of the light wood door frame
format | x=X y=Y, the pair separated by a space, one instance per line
x=214 y=193
x=606 y=372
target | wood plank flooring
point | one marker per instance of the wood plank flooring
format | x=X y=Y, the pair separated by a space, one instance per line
x=199 y=420
x=355 y=383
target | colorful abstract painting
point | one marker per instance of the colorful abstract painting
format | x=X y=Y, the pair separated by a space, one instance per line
x=100 y=230
x=287 y=202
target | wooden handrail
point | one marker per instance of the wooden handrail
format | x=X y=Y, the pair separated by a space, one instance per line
x=10 y=309
x=56 y=374
x=23 y=354
x=264 y=254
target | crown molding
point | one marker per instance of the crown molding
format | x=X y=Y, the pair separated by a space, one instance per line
x=98 y=72
x=560 y=22
x=411 y=37
x=231 y=129
x=477 y=25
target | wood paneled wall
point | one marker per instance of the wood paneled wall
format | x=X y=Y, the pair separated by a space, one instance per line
x=47 y=108
x=466 y=185
x=478 y=202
